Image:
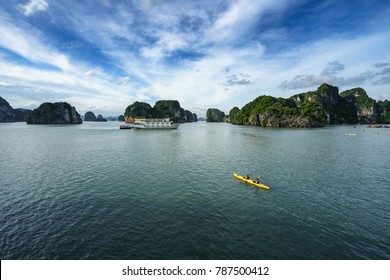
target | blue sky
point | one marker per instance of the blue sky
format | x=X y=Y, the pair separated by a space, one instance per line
x=103 y=55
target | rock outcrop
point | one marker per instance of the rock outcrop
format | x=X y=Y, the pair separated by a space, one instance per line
x=6 y=111
x=100 y=119
x=54 y=113
x=190 y=117
x=138 y=109
x=366 y=107
x=8 y=114
x=20 y=114
x=162 y=109
x=232 y=114
x=89 y=117
x=214 y=115
x=268 y=111
x=170 y=109
x=313 y=109
x=384 y=111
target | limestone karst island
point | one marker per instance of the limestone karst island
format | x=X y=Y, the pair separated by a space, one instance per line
x=324 y=106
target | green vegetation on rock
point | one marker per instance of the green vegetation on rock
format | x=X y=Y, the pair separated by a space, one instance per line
x=214 y=115
x=366 y=107
x=272 y=112
x=384 y=111
x=169 y=109
x=314 y=108
x=232 y=114
x=162 y=109
x=139 y=109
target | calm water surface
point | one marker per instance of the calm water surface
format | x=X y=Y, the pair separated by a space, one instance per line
x=93 y=191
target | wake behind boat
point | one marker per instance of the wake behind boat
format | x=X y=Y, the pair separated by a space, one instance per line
x=143 y=123
x=250 y=181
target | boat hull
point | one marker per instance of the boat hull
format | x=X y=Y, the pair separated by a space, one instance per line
x=250 y=181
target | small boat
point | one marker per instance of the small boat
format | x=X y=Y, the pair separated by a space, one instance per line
x=124 y=127
x=250 y=181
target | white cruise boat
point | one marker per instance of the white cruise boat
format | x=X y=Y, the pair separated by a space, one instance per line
x=153 y=124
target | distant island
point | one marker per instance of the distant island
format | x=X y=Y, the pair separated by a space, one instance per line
x=312 y=109
x=9 y=114
x=91 y=117
x=162 y=109
x=54 y=113
x=324 y=106
x=214 y=115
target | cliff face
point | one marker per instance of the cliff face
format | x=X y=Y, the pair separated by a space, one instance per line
x=54 y=113
x=384 y=111
x=268 y=111
x=194 y=117
x=214 y=115
x=6 y=112
x=325 y=98
x=313 y=109
x=232 y=114
x=366 y=107
x=162 y=109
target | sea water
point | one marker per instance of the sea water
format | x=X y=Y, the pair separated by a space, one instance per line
x=93 y=191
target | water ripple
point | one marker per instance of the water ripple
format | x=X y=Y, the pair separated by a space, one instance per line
x=96 y=192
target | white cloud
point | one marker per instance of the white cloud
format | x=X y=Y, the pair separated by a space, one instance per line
x=95 y=73
x=123 y=80
x=35 y=6
x=28 y=45
x=239 y=17
x=167 y=43
x=137 y=40
x=5 y=84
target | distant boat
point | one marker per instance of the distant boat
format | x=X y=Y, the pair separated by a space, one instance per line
x=124 y=127
x=143 y=123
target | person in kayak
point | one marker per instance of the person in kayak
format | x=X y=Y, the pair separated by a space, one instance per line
x=247 y=177
x=258 y=180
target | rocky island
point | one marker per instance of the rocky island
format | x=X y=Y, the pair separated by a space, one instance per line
x=54 y=113
x=313 y=109
x=8 y=114
x=214 y=115
x=91 y=117
x=162 y=109
x=100 y=119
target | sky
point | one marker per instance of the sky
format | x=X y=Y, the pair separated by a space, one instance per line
x=103 y=55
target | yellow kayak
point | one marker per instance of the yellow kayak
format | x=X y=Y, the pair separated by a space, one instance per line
x=250 y=181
